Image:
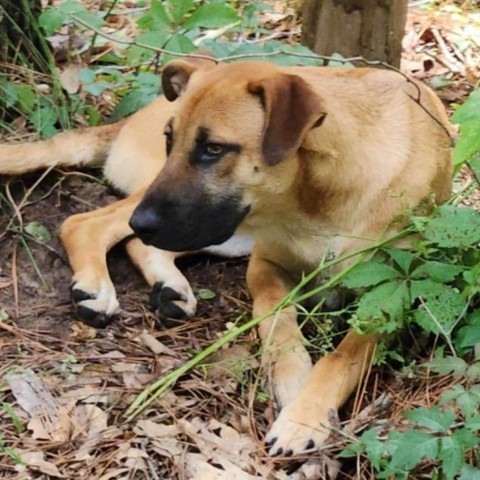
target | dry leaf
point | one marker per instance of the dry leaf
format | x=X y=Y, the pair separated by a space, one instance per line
x=48 y=419
x=81 y=331
x=69 y=77
x=36 y=461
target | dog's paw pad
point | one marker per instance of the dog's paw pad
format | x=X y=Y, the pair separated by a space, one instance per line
x=172 y=305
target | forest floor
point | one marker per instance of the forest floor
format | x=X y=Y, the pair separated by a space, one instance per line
x=71 y=384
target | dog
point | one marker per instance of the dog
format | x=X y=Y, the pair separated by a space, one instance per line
x=309 y=161
x=313 y=162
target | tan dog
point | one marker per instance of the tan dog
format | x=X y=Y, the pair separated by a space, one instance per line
x=310 y=161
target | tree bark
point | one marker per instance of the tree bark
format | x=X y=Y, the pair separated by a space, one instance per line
x=372 y=29
x=20 y=41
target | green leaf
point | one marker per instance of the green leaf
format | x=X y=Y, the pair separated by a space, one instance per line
x=402 y=258
x=155 y=39
x=386 y=301
x=27 y=98
x=38 y=231
x=454 y=227
x=469 y=335
x=432 y=418
x=468 y=144
x=94 y=116
x=408 y=448
x=212 y=15
x=51 y=20
x=179 y=8
x=374 y=448
x=474 y=163
x=205 y=294
x=156 y=19
x=369 y=274
x=437 y=271
x=469 y=473
x=424 y=288
x=451 y=394
x=44 y=118
x=469 y=402
x=473 y=423
x=3 y=315
x=439 y=313
x=90 y=20
x=131 y=102
x=452 y=455
x=9 y=94
x=71 y=7
x=473 y=372
x=455 y=365
x=468 y=117
x=180 y=44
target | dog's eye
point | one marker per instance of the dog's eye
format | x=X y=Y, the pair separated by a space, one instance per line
x=214 y=149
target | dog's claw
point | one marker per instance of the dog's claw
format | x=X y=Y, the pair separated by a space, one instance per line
x=310 y=445
x=278 y=452
x=269 y=443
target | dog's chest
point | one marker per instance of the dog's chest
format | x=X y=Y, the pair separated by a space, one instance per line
x=300 y=249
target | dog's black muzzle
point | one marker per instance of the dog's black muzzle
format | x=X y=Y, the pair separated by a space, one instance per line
x=180 y=224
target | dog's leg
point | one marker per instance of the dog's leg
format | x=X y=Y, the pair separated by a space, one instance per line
x=288 y=362
x=87 y=237
x=172 y=297
x=304 y=423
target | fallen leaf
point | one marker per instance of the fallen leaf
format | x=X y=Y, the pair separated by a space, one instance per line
x=36 y=461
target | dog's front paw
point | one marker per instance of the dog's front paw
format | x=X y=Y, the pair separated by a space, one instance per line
x=95 y=302
x=302 y=425
x=173 y=303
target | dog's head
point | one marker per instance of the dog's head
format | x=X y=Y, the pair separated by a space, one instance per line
x=231 y=145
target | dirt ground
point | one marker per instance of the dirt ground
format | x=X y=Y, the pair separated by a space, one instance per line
x=70 y=384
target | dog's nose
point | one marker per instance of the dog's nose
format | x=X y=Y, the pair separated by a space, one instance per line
x=144 y=221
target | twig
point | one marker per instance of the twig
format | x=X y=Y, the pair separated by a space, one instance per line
x=449 y=59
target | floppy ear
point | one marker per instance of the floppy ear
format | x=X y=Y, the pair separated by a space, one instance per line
x=292 y=109
x=175 y=74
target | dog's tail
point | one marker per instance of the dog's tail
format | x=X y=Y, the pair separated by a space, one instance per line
x=85 y=146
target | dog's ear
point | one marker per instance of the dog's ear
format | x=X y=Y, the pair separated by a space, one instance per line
x=176 y=74
x=292 y=109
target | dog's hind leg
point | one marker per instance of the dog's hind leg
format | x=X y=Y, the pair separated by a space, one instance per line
x=172 y=297
x=87 y=238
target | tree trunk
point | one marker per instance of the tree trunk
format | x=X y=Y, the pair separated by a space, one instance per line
x=372 y=29
x=20 y=41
